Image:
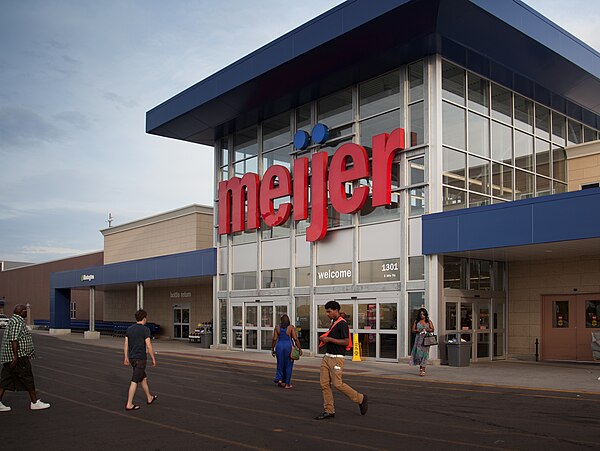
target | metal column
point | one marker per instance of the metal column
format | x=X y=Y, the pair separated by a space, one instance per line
x=92 y=327
x=140 y=295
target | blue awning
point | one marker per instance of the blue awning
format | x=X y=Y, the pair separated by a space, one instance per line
x=569 y=217
x=201 y=263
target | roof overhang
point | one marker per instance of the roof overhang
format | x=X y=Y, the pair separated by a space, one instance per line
x=551 y=227
x=506 y=41
x=195 y=266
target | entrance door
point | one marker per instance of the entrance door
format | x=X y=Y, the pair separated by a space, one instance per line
x=181 y=321
x=375 y=321
x=567 y=324
x=253 y=323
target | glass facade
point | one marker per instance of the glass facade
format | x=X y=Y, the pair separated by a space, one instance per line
x=496 y=145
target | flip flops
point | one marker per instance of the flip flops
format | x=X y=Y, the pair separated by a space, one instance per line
x=153 y=399
x=134 y=407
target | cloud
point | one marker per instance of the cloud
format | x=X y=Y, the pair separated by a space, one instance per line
x=74 y=118
x=120 y=100
x=20 y=126
x=51 y=250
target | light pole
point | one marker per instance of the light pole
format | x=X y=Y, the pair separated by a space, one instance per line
x=28 y=314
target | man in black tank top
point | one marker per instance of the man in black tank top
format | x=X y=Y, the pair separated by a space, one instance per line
x=332 y=366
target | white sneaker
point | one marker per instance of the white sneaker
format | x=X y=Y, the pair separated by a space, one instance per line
x=4 y=408
x=39 y=405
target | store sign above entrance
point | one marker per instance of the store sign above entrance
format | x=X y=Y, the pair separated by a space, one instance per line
x=349 y=163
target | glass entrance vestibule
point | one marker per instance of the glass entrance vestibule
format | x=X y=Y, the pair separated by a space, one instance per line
x=373 y=319
x=253 y=322
x=478 y=321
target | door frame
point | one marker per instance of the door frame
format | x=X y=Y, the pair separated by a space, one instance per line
x=278 y=305
x=173 y=323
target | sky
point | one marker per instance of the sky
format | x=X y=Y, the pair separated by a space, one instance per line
x=76 y=80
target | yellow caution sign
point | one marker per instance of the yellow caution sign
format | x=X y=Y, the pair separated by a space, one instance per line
x=356 y=350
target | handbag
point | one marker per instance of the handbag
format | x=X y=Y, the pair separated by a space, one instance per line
x=295 y=354
x=430 y=339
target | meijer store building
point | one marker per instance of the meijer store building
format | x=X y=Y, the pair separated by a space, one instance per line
x=405 y=153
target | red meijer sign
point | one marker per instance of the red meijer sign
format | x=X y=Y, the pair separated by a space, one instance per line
x=277 y=183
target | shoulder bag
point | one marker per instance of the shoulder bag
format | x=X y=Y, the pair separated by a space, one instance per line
x=295 y=354
x=430 y=339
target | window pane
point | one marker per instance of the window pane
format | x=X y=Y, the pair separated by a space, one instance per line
x=455 y=273
x=523 y=151
x=245 y=144
x=336 y=109
x=416 y=170
x=592 y=314
x=276 y=278
x=303 y=121
x=478 y=93
x=388 y=316
x=336 y=219
x=244 y=280
x=559 y=188
x=416 y=268
x=415 y=82
x=454 y=168
x=479 y=175
x=369 y=214
x=477 y=200
x=502 y=143
x=223 y=320
x=384 y=123
x=224 y=155
x=560 y=319
x=454 y=199
x=542 y=121
x=523 y=185
x=574 y=133
x=453 y=83
x=542 y=186
x=303 y=276
x=559 y=167
x=417 y=202
x=303 y=320
x=558 y=129
x=479 y=135
x=416 y=117
x=380 y=94
x=279 y=157
x=501 y=104
x=589 y=134
x=276 y=132
x=523 y=113
x=451 y=316
x=502 y=183
x=245 y=166
x=542 y=157
x=453 y=126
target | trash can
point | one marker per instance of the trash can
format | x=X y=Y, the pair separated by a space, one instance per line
x=596 y=345
x=205 y=340
x=459 y=354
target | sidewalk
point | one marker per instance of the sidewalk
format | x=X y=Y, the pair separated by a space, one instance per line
x=551 y=376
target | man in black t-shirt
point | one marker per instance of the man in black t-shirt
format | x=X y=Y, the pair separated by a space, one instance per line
x=335 y=340
x=137 y=345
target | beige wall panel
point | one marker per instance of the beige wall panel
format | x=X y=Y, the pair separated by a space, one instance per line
x=158 y=302
x=171 y=235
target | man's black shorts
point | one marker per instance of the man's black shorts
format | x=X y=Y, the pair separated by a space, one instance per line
x=19 y=378
x=139 y=370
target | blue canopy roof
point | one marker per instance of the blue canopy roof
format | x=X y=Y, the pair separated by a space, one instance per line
x=506 y=41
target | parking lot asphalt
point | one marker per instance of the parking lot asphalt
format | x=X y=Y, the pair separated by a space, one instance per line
x=216 y=399
x=560 y=376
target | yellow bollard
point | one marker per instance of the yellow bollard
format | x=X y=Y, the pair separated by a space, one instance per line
x=356 y=350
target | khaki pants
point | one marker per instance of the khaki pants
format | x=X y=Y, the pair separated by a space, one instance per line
x=331 y=374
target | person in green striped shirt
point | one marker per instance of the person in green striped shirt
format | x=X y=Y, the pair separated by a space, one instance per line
x=15 y=356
